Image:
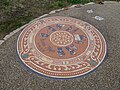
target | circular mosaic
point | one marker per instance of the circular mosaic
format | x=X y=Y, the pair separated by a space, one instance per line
x=61 y=47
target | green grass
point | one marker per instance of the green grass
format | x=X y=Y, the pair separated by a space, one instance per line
x=15 y=13
x=79 y=1
x=63 y=3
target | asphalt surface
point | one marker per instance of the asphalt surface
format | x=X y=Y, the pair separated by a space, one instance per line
x=14 y=76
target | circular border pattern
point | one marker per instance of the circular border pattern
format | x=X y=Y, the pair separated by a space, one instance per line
x=85 y=63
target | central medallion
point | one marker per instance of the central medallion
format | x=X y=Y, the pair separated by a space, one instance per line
x=61 y=38
x=61 y=41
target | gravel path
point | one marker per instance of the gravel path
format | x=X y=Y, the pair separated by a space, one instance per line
x=14 y=76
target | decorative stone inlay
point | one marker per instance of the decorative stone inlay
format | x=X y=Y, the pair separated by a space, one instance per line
x=61 y=47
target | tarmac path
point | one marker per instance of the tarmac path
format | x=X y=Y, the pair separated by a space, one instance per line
x=14 y=76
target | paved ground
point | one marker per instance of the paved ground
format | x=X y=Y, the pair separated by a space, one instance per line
x=14 y=76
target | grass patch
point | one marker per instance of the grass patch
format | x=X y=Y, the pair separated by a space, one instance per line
x=15 y=13
x=58 y=4
x=79 y=1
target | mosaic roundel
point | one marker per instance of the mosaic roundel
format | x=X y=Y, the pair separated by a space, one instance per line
x=61 y=47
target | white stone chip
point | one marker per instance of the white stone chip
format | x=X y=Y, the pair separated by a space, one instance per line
x=6 y=37
x=52 y=12
x=90 y=3
x=90 y=11
x=110 y=2
x=1 y=41
x=73 y=6
x=43 y=16
x=98 y=18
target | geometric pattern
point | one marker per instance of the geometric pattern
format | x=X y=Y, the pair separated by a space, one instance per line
x=61 y=47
